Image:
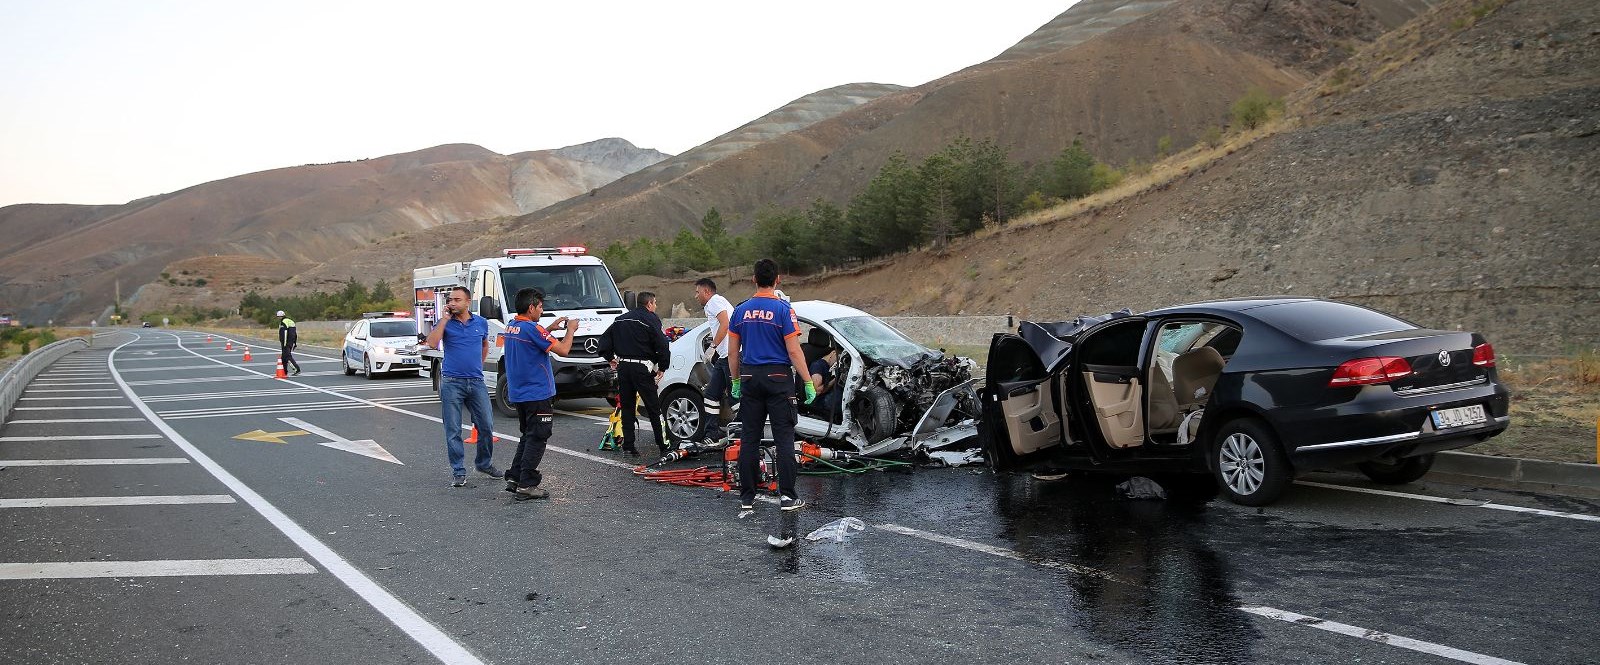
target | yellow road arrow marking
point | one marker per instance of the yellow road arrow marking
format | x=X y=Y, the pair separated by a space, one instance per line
x=270 y=437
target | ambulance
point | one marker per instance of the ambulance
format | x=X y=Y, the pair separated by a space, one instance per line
x=576 y=285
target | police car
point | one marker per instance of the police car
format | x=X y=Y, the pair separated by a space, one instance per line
x=382 y=342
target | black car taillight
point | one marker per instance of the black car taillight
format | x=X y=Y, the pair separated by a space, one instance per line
x=1369 y=371
x=1483 y=355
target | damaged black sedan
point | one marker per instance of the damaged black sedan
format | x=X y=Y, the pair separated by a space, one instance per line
x=1249 y=391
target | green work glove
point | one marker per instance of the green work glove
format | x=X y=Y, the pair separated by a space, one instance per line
x=735 y=389
x=811 y=393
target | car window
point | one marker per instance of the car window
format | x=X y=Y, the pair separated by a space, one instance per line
x=1115 y=345
x=565 y=286
x=393 y=329
x=1320 y=319
x=360 y=330
x=1011 y=359
x=877 y=340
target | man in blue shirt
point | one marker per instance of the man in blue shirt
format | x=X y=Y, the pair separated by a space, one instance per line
x=530 y=386
x=465 y=338
x=763 y=353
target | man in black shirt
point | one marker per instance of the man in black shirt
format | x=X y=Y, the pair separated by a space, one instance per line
x=637 y=349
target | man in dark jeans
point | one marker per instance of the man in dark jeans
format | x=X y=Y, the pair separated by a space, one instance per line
x=464 y=337
x=530 y=385
x=638 y=350
x=763 y=354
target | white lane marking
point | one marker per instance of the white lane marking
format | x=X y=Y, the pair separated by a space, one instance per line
x=1376 y=636
x=72 y=383
x=169 y=568
x=66 y=408
x=93 y=461
x=1456 y=502
x=167 y=369
x=336 y=405
x=46 y=399
x=441 y=645
x=363 y=447
x=210 y=379
x=75 y=420
x=80 y=437
x=73 y=390
x=83 y=501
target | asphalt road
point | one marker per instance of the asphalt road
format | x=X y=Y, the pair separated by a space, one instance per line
x=183 y=542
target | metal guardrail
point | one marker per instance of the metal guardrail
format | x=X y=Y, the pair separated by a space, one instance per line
x=16 y=379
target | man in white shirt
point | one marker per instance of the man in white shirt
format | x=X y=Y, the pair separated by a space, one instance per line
x=716 y=356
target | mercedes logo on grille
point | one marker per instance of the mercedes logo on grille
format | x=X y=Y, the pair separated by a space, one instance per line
x=1444 y=358
x=592 y=345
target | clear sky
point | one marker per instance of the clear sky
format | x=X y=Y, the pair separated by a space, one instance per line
x=108 y=101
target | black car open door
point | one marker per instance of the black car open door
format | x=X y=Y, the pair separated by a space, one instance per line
x=1111 y=403
x=1021 y=421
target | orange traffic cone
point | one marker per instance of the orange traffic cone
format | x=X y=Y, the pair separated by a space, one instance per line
x=208 y=338
x=472 y=437
x=247 y=354
x=229 y=347
x=280 y=374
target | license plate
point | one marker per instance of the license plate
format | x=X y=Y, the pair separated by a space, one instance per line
x=406 y=361
x=1459 y=417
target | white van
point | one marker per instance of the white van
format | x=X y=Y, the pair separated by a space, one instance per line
x=576 y=285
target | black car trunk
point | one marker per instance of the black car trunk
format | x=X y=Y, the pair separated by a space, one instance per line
x=1438 y=358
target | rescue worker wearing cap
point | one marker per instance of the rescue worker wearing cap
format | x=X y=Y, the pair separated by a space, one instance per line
x=288 y=338
x=637 y=349
x=763 y=354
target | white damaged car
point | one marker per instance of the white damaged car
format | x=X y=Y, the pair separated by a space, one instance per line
x=898 y=394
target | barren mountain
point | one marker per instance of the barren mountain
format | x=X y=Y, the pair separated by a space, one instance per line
x=1450 y=173
x=66 y=259
x=1167 y=68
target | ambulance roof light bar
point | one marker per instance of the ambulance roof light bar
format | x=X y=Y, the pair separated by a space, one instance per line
x=577 y=250
x=386 y=315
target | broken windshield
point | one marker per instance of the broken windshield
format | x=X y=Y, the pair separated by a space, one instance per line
x=878 y=340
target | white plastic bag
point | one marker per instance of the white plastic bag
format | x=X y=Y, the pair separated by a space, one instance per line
x=837 y=529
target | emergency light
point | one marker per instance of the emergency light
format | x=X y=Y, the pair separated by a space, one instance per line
x=576 y=250
x=385 y=315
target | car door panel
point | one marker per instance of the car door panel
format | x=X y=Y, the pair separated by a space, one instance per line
x=1108 y=369
x=1118 y=401
x=1021 y=413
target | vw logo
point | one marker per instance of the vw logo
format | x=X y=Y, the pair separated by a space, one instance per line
x=592 y=345
x=1444 y=358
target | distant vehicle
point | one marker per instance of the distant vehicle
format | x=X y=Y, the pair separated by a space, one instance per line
x=1250 y=391
x=146 y=324
x=381 y=343
x=898 y=394
x=576 y=285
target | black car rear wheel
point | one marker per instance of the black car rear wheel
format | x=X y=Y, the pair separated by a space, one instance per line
x=1250 y=466
x=1397 y=471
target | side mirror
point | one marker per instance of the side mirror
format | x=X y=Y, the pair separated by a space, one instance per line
x=361 y=336
x=630 y=299
x=422 y=338
x=488 y=309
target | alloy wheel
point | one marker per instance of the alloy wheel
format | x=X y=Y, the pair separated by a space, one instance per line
x=1242 y=463
x=683 y=418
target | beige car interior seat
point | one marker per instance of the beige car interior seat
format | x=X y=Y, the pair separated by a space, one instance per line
x=1194 y=374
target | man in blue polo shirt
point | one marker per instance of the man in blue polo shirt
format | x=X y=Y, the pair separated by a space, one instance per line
x=763 y=353
x=465 y=339
x=530 y=385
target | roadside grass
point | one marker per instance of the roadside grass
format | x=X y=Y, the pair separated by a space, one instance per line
x=1555 y=408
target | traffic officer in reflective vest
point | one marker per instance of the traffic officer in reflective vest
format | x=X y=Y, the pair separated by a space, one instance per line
x=637 y=349
x=763 y=354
